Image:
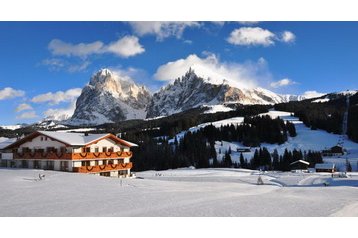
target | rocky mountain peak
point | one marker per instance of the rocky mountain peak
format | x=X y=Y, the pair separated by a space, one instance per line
x=110 y=97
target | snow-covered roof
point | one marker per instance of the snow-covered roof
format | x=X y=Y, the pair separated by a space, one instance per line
x=72 y=139
x=325 y=166
x=300 y=161
x=6 y=142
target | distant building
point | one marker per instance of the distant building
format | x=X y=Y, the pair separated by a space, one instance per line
x=243 y=149
x=102 y=154
x=326 y=167
x=299 y=165
x=333 y=151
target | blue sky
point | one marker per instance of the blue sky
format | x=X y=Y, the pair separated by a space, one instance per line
x=45 y=64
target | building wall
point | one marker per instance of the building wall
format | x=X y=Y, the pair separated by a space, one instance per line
x=36 y=143
x=108 y=143
x=7 y=156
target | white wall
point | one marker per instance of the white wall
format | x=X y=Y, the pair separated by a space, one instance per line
x=6 y=156
x=76 y=164
x=105 y=143
x=36 y=143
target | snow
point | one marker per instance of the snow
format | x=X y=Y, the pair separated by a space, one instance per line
x=217 y=108
x=348 y=92
x=78 y=130
x=154 y=118
x=321 y=100
x=233 y=120
x=11 y=127
x=180 y=193
x=73 y=138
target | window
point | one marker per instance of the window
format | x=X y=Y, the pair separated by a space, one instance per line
x=42 y=138
x=63 y=149
x=96 y=149
x=88 y=149
x=110 y=149
x=104 y=149
x=83 y=149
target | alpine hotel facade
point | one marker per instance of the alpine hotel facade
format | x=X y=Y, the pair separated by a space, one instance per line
x=102 y=154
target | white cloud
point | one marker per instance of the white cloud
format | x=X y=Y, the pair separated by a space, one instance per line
x=8 y=93
x=312 y=94
x=58 y=47
x=244 y=75
x=61 y=113
x=23 y=107
x=255 y=36
x=162 y=30
x=251 y=36
x=57 y=97
x=282 y=83
x=288 y=37
x=123 y=47
x=27 y=115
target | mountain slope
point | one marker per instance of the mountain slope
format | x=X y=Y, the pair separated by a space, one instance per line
x=110 y=97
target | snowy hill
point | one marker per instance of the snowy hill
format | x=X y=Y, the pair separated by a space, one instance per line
x=110 y=97
x=306 y=139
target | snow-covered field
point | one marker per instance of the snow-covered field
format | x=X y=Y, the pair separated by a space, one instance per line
x=181 y=192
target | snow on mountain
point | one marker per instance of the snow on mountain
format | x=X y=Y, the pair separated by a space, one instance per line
x=332 y=96
x=217 y=108
x=110 y=97
x=12 y=127
x=192 y=91
x=306 y=139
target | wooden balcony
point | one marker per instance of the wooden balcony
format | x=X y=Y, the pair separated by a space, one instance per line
x=72 y=156
x=102 y=168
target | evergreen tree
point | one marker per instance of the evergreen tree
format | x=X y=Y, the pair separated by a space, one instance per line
x=227 y=162
x=242 y=161
x=291 y=129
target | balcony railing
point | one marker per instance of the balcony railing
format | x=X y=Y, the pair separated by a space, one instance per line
x=72 y=156
x=102 y=168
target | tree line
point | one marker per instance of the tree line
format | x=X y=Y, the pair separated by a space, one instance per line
x=197 y=148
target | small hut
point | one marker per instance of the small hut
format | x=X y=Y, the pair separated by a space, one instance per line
x=326 y=167
x=299 y=165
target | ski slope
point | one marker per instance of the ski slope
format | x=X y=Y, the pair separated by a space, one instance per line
x=306 y=139
x=181 y=192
